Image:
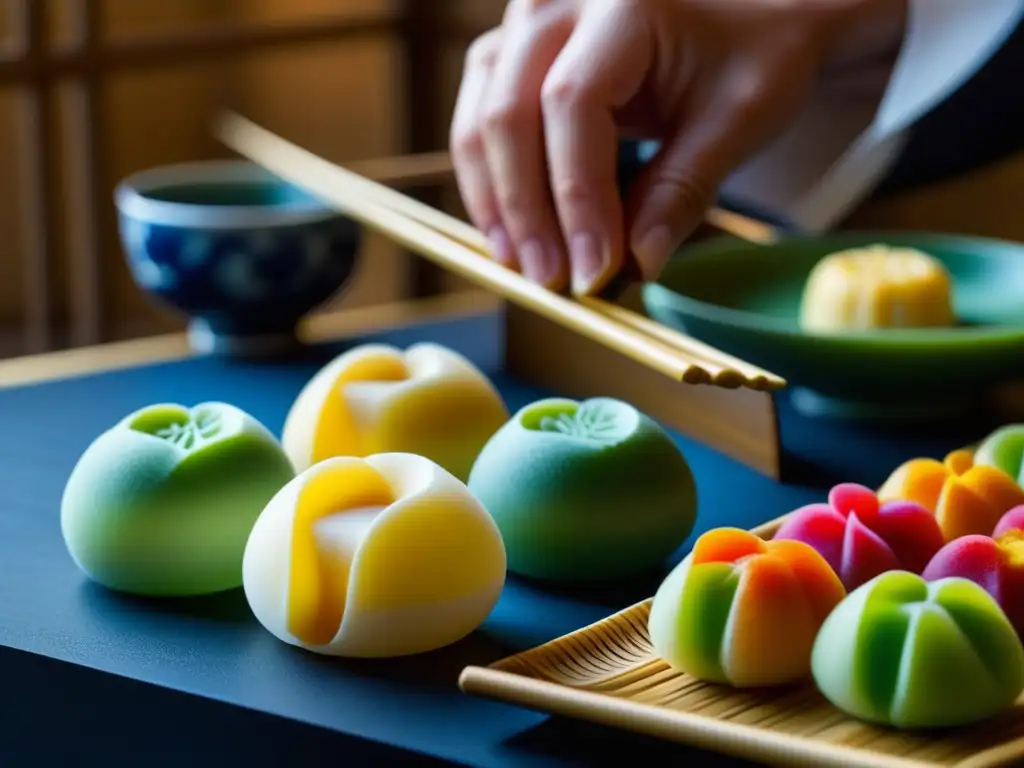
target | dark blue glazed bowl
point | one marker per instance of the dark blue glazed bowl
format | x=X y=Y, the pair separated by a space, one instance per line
x=242 y=252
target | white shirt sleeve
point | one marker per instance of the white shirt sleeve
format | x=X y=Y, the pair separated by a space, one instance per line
x=838 y=150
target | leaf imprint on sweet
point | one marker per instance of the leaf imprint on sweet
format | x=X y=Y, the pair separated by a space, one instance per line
x=600 y=421
x=202 y=426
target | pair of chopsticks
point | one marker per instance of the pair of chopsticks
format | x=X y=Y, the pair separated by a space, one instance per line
x=461 y=248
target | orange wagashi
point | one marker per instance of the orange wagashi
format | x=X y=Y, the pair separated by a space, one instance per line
x=966 y=498
x=743 y=611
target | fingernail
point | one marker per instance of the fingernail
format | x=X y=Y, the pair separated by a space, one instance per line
x=653 y=248
x=588 y=262
x=538 y=263
x=501 y=246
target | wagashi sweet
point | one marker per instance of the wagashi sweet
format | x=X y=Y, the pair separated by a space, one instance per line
x=876 y=287
x=860 y=537
x=1004 y=449
x=162 y=503
x=995 y=563
x=427 y=399
x=965 y=497
x=1013 y=520
x=742 y=611
x=905 y=652
x=387 y=555
x=585 y=491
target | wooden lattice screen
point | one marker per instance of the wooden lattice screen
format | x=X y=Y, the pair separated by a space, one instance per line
x=34 y=69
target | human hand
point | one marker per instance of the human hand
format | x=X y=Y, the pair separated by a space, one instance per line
x=546 y=97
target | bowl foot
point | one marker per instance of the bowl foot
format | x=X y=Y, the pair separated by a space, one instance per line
x=205 y=341
x=814 y=405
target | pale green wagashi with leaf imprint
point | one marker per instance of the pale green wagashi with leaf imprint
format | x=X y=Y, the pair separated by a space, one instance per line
x=585 y=491
x=162 y=503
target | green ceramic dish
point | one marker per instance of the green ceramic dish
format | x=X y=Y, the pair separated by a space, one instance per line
x=745 y=299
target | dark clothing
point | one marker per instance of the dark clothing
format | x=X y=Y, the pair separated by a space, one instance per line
x=979 y=124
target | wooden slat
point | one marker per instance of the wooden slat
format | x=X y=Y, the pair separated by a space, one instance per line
x=87 y=163
x=325 y=327
x=462 y=30
x=420 y=23
x=13 y=47
x=35 y=71
x=407 y=171
x=38 y=196
x=197 y=45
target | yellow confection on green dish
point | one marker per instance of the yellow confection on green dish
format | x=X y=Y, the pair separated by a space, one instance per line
x=864 y=289
x=384 y=556
x=427 y=400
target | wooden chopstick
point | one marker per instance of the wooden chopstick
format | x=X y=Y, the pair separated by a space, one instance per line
x=328 y=182
x=724 y=370
x=461 y=248
x=741 y=226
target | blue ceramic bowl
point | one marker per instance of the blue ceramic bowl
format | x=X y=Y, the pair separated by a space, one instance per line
x=239 y=250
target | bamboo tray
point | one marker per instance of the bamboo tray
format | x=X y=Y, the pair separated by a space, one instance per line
x=608 y=673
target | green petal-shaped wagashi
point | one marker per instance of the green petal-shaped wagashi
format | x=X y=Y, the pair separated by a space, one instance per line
x=585 y=491
x=162 y=503
x=904 y=652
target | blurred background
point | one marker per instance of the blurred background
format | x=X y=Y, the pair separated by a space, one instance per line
x=93 y=90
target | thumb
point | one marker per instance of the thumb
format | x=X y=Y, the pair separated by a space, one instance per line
x=681 y=181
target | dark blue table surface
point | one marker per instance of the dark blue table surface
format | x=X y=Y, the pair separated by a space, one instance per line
x=101 y=678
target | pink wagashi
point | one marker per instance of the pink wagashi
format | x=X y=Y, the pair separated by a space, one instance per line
x=861 y=537
x=995 y=563
x=1012 y=520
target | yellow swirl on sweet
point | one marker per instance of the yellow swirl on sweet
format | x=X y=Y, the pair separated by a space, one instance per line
x=426 y=400
x=379 y=556
x=336 y=433
x=318 y=584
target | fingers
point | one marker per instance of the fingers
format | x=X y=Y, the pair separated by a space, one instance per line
x=598 y=71
x=728 y=115
x=534 y=136
x=469 y=158
x=513 y=141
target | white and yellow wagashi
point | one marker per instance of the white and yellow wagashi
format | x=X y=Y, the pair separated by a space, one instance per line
x=382 y=556
x=428 y=400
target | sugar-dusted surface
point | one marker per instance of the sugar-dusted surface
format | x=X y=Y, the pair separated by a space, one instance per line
x=93 y=677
